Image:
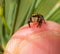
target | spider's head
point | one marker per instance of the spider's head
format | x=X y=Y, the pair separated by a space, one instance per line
x=35 y=17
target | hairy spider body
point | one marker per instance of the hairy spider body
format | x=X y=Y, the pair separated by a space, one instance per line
x=36 y=18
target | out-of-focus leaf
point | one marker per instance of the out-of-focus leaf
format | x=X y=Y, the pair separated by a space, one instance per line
x=53 y=10
x=10 y=6
x=1 y=37
x=47 y=8
x=0 y=30
x=5 y=24
x=54 y=14
x=10 y=12
x=23 y=11
x=37 y=3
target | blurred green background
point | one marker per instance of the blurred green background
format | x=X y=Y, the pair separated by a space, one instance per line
x=15 y=13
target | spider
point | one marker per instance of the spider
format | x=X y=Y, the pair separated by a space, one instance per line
x=36 y=18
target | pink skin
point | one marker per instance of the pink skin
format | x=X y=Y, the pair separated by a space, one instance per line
x=35 y=40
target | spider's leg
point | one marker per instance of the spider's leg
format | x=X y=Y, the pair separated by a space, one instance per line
x=39 y=23
x=30 y=20
x=29 y=23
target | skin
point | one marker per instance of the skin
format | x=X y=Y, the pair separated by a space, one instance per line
x=35 y=40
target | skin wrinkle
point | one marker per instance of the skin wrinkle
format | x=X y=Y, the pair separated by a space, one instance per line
x=45 y=33
x=33 y=35
x=31 y=38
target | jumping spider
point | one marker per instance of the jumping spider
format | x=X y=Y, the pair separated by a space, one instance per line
x=36 y=18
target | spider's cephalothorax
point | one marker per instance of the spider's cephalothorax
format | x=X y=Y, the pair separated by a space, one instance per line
x=36 y=18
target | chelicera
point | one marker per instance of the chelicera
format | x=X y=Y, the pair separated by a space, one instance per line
x=36 y=18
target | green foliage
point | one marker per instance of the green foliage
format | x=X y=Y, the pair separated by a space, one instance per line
x=16 y=14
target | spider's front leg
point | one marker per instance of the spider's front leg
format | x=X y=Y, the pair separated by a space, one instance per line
x=39 y=23
x=29 y=23
x=30 y=20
